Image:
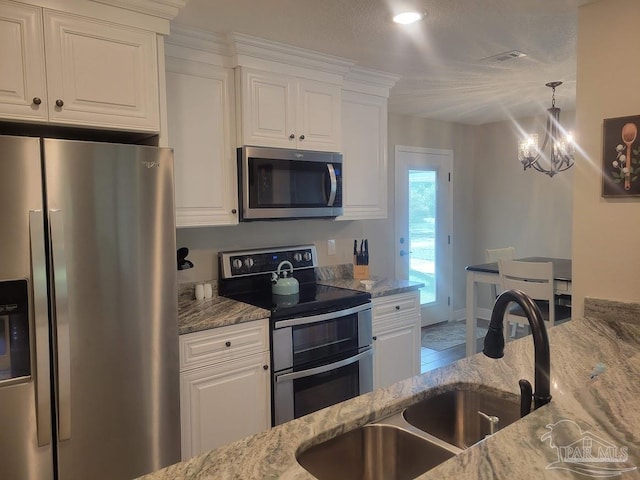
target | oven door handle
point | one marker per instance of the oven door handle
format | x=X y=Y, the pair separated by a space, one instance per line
x=293 y=322
x=286 y=377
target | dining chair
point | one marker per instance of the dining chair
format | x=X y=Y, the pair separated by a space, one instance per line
x=536 y=280
x=495 y=254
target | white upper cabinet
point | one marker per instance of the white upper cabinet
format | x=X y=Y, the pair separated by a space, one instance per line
x=80 y=71
x=23 y=93
x=200 y=125
x=290 y=112
x=101 y=74
x=364 y=123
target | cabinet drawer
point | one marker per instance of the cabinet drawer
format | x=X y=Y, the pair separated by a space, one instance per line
x=393 y=305
x=225 y=343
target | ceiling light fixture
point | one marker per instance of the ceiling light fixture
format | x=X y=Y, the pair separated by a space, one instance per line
x=562 y=147
x=406 y=18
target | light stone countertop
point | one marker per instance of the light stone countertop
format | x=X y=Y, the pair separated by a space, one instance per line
x=196 y=315
x=607 y=407
x=381 y=286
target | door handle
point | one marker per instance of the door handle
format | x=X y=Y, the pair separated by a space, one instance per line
x=334 y=185
x=41 y=323
x=403 y=253
x=62 y=323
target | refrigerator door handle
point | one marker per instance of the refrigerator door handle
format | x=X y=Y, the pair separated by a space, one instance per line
x=62 y=323
x=41 y=323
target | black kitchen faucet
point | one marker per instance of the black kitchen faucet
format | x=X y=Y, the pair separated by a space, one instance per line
x=494 y=347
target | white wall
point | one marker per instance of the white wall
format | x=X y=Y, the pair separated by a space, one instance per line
x=527 y=210
x=606 y=232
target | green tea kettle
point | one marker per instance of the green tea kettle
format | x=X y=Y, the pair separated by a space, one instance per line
x=283 y=282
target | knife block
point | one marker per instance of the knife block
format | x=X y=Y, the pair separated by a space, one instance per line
x=361 y=272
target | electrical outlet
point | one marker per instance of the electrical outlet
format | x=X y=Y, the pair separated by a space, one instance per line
x=331 y=247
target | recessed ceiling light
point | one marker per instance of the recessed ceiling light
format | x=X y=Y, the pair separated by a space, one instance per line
x=405 y=18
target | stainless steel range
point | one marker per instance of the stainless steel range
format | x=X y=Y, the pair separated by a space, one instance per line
x=321 y=351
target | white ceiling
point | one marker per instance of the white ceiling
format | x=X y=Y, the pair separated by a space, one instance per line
x=438 y=59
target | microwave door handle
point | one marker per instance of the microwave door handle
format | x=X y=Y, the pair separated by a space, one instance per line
x=334 y=185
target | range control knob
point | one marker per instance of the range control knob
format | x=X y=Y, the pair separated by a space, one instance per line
x=248 y=262
x=307 y=256
x=297 y=257
x=236 y=264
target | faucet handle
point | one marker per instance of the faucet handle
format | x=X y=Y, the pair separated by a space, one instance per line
x=526 y=395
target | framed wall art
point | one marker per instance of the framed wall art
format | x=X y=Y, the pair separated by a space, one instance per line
x=621 y=157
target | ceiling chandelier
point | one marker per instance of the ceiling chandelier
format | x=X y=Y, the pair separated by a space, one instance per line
x=560 y=155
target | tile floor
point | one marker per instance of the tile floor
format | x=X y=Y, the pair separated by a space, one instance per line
x=432 y=359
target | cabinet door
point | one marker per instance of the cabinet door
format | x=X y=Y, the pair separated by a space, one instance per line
x=318 y=116
x=200 y=124
x=268 y=109
x=396 y=354
x=364 y=142
x=224 y=403
x=23 y=93
x=100 y=74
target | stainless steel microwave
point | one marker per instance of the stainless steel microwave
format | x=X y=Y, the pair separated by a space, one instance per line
x=278 y=183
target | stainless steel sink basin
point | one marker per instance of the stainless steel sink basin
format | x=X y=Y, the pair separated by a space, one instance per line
x=453 y=415
x=374 y=451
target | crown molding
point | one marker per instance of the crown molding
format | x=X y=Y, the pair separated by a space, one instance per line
x=372 y=77
x=167 y=9
x=246 y=48
x=190 y=37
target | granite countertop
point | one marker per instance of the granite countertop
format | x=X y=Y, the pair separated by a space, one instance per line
x=196 y=315
x=342 y=276
x=381 y=286
x=605 y=406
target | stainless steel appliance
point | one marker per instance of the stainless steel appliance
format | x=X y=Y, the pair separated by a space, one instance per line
x=88 y=310
x=278 y=183
x=321 y=351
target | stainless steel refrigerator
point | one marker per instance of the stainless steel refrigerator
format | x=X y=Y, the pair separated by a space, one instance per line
x=89 y=382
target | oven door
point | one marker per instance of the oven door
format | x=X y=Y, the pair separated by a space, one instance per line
x=321 y=385
x=321 y=360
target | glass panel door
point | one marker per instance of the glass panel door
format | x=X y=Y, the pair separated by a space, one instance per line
x=423 y=223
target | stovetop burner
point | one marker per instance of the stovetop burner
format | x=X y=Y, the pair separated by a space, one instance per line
x=246 y=276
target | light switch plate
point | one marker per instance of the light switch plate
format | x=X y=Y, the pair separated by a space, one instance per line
x=331 y=247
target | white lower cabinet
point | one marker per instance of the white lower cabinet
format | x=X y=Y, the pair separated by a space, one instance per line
x=224 y=386
x=396 y=334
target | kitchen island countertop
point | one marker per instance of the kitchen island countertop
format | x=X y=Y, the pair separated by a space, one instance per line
x=605 y=407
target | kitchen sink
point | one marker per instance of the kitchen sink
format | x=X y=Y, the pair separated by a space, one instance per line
x=464 y=415
x=417 y=439
x=373 y=452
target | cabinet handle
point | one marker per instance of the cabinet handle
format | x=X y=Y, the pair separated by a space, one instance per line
x=265 y=367
x=292 y=136
x=234 y=211
x=59 y=103
x=227 y=344
x=301 y=137
x=37 y=101
x=375 y=338
x=397 y=307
